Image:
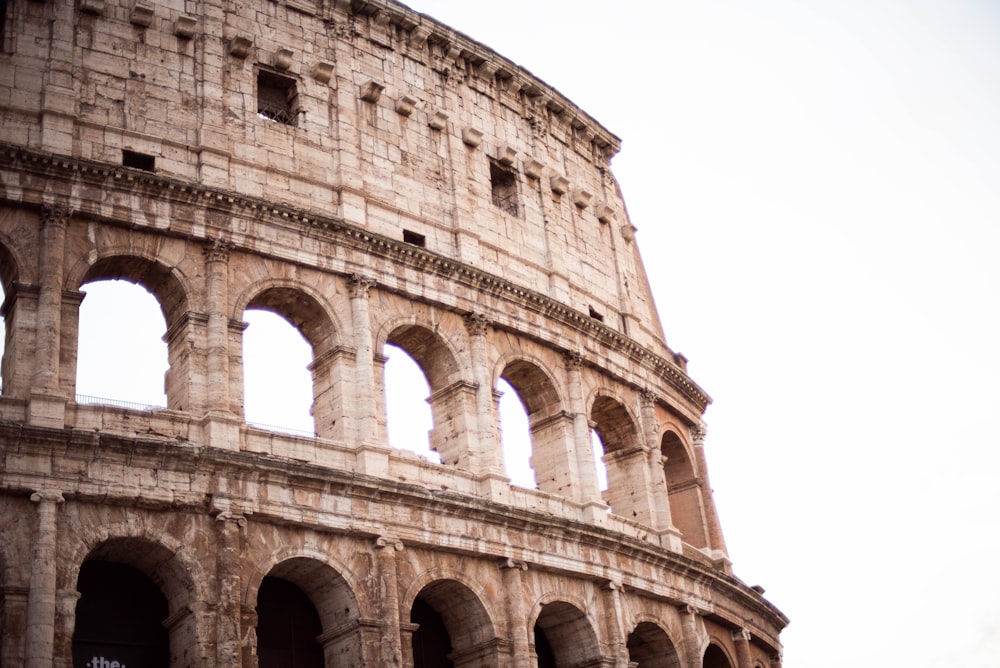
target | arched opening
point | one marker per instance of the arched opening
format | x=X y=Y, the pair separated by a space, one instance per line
x=715 y=658
x=8 y=279
x=121 y=355
x=564 y=637
x=287 y=627
x=277 y=384
x=296 y=321
x=515 y=436
x=128 y=588
x=452 y=401
x=431 y=642
x=408 y=414
x=127 y=300
x=683 y=491
x=625 y=461
x=550 y=427
x=649 y=646
x=299 y=603
x=597 y=446
x=119 y=618
x=453 y=628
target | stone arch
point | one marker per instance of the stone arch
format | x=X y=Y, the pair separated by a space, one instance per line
x=452 y=398
x=550 y=425
x=564 y=636
x=457 y=625
x=625 y=460
x=716 y=656
x=314 y=318
x=332 y=599
x=164 y=570
x=684 y=488
x=173 y=293
x=10 y=272
x=650 y=646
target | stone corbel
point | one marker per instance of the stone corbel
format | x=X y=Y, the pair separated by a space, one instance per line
x=282 y=59
x=239 y=46
x=559 y=184
x=438 y=120
x=405 y=105
x=371 y=91
x=323 y=72
x=472 y=137
x=92 y=7
x=185 y=26
x=605 y=213
x=533 y=168
x=581 y=198
x=506 y=155
x=141 y=15
x=628 y=233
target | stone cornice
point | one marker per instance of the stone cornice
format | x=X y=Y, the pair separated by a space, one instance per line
x=216 y=201
x=263 y=468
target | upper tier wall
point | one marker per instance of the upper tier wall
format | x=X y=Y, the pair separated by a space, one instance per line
x=386 y=119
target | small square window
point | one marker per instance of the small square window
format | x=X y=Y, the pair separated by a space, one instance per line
x=504 y=184
x=595 y=314
x=414 y=238
x=277 y=98
x=138 y=160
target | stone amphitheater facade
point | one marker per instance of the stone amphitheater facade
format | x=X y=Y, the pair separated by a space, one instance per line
x=375 y=178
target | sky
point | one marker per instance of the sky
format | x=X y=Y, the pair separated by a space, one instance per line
x=815 y=188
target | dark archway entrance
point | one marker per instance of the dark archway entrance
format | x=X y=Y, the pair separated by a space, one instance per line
x=431 y=642
x=119 y=618
x=287 y=627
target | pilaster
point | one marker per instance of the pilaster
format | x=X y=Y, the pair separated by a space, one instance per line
x=364 y=363
x=390 y=651
x=40 y=635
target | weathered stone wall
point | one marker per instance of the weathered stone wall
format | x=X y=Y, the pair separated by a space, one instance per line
x=425 y=193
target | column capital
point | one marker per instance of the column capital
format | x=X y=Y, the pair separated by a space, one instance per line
x=55 y=215
x=47 y=495
x=573 y=359
x=392 y=544
x=511 y=563
x=477 y=324
x=217 y=250
x=647 y=397
x=698 y=433
x=361 y=284
x=741 y=634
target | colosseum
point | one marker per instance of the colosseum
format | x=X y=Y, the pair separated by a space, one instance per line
x=377 y=179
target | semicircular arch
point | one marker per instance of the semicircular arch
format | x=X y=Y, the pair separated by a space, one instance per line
x=461 y=604
x=434 y=354
x=304 y=307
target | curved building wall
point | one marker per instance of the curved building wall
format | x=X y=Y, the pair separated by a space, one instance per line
x=376 y=179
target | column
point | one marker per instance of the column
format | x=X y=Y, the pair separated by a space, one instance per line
x=364 y=363
x=742 y=640
x=40 y=635
x=584 y=460
x=390 y=651
x=46 y=407
x=716 y=542
x=613 y=622
x=216 y=303
x=487 y=461
x=692 y=638
x=662 y=520
x=513 y=585
x=229 y=527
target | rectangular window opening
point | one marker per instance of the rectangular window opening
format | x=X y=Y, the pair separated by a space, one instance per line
x=504 y=183
x=596 y=315
x=414 y=238
x=138 y=160
x=277 y=98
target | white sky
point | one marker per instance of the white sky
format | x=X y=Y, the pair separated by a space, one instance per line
x=815 y=186
x=817 y=191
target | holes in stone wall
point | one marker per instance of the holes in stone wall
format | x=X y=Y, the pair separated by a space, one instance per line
x=503 y=182
x=138 y=160
x=277 y=97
